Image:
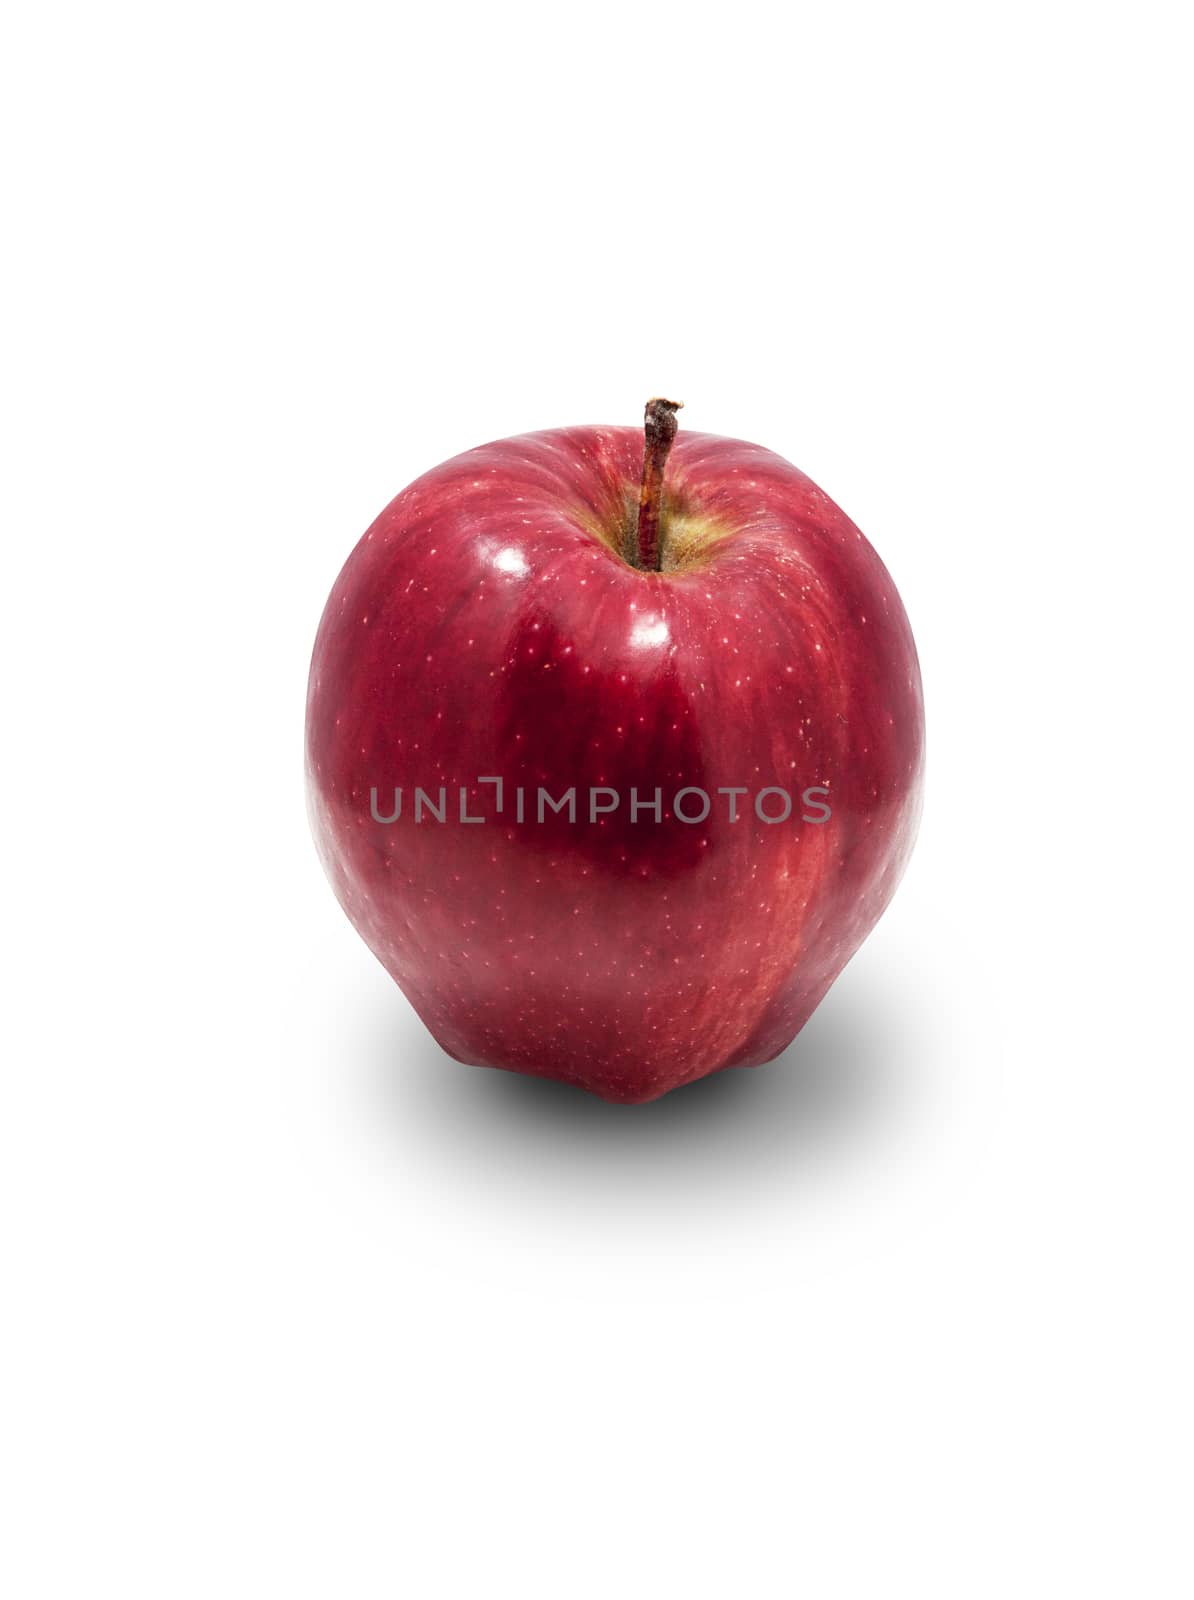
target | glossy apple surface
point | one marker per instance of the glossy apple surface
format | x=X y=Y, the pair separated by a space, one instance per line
x=489 y=625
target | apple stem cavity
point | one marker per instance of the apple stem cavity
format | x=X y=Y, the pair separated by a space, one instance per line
x=659 y=426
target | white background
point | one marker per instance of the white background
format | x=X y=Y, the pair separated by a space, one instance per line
x=296 y=1306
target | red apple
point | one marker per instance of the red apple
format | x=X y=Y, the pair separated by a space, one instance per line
x=565 y=613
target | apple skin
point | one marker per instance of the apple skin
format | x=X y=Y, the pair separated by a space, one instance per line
x=487 y=626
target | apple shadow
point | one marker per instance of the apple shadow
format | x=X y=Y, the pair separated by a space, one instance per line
x=845 y=1076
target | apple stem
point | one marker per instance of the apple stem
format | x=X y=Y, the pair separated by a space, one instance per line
x=659 y=426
